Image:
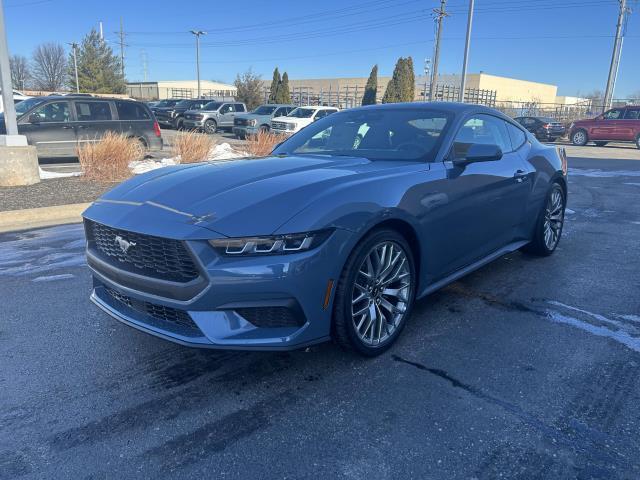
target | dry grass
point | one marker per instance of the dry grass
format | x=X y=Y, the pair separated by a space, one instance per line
x=107 y=160
x=192 y=146
x=263 y=143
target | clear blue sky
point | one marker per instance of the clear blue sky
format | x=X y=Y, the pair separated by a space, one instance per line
x=566 y=42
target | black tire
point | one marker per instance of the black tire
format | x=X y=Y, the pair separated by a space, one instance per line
x=579 y=137
x=638 y=141
x=264 y=128
x=180 y=124
x=143 y=143
x=552 y=139
x=210 y=126
x=538 y=245
x=344 y=329
x=600 y=144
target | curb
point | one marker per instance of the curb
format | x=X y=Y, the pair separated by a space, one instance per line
x=14 y=220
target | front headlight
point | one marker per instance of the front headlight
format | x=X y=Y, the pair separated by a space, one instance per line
x=253 y=122
x=270 y=245
x=291 y=126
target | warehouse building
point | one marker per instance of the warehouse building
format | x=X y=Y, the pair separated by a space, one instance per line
x=178 y=89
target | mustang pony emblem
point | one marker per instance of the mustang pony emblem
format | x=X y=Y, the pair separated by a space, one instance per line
x=124 y=244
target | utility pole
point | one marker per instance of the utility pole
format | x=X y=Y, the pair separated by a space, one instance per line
x=463 y=80
x=74 y=47
x=197 y=33
x=615 y=56
x=439 y=14
x=122 y=46
x=101 y=33
x=143 y=56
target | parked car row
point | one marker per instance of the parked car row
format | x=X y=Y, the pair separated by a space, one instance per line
x=56 y=124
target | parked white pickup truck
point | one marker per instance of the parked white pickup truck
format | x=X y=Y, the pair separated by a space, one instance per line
x=299 y=118
x=17 y=97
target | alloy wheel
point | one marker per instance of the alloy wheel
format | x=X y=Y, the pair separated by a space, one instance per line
x=210 y=126
x=579 y=138
x=553 y=219
x=381 y=293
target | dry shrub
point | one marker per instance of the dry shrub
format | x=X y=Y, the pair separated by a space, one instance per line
x=262 y=143
x=192 y=146
x=107 y=160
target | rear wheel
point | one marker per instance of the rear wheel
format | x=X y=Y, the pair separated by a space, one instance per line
x=264 y=128
x=579 y=138
x=600 y=144
x=548 y=229
x=638 y=141
x=210 y=126
x=375 y=293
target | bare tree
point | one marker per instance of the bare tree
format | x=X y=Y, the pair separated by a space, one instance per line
x=49 y=66
x=20 y=72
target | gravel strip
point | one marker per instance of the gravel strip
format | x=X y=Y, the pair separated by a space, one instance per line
x=47 y=193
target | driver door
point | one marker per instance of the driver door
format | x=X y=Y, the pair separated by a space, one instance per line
x=50 y=129
x=484 y=200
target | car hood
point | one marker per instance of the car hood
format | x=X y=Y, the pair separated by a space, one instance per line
x=297 y=121
x=242 y=197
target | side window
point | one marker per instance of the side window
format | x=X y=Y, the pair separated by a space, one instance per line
x=614 y=114
x=632 y=114
x=93 y=111
x=482 y=129
x=131 y=111
x=54 y=112
x=240 y=107
x=226 y=108
x=280 y=112
x=517 y=136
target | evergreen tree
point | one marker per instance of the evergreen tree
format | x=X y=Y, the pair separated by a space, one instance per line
x=275 y=85
x=371 y=88
x=284 y=96
x=392 y=93
x=99 y=70
x=408 y=81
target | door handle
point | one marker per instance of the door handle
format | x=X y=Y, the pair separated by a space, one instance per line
x=520 y=176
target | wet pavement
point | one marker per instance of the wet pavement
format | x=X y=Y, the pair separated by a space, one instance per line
x=528 y=368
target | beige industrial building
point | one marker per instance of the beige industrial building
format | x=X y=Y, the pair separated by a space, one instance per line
x=507 y=89
x=178 y=89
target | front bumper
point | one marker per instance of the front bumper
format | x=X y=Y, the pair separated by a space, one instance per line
x=278 y=131
x=218 y=309
x=191 y=124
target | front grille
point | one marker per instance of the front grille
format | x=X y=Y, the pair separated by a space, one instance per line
x=270 y=317
x=159 y=312
x=155 y=257
x=279 y=125
x=240 y=122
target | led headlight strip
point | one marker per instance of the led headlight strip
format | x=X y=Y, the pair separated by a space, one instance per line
x=270 y=245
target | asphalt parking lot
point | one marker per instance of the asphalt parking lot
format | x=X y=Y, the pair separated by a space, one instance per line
x=529 y=368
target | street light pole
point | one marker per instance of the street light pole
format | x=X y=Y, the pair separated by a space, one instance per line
x=463 y=80
x=5 y=80
x=439 y=14
x=615 y=56
x=74 y=46
x=197 y=33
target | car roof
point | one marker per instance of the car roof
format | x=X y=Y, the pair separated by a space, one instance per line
x=87 y=97
x=452 y=107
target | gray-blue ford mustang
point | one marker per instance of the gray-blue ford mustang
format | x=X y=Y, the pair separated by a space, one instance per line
x=334 y=235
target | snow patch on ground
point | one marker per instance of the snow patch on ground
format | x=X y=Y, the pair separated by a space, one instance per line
x=568 y=211
x=632 y=183
x=47 y=175
x=596 y=173
x=220 y=152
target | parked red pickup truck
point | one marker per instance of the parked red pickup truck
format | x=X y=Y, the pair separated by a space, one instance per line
x=615 y=125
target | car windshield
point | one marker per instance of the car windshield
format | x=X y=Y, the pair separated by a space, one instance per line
x=302 y=113
x=25 y=105
x=547 y=119
x=264 y=110
x=184 y=103
x=166 y=103
x=390 y=134
x=212 y=106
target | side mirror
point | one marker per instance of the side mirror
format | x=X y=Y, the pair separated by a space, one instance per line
x=480 y=152
x=34 y=118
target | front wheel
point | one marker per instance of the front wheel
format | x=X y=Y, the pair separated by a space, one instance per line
x=548 y=229
x=579 y=138
x=375 y=293
x=180 y=124
x=210 y=126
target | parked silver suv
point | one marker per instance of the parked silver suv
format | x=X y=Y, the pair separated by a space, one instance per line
x=213 y=116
